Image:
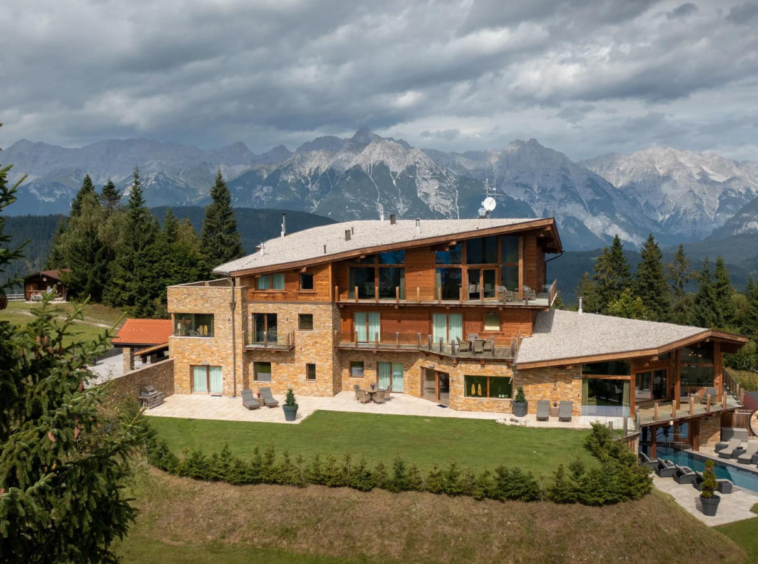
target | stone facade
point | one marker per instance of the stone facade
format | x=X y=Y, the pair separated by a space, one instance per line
x=552 y=384
x=160 y=375
x=710 y=430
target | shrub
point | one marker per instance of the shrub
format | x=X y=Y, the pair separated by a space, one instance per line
x=451 y=481
x=468 y=479
x=482 y=486
x=435 y=482
x=520 y=397
x=415 y=481
x=380 y=475
x=361 y=478
x=195 y=465
x=289 y=400
x=333 y=475
x=268 y=466
x=563 y=490
x=315 y=472
x=399 y=480
x=709 y=485
x=514 y=484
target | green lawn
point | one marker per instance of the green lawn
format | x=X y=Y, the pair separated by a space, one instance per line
x=744 y=534
x=473 y=443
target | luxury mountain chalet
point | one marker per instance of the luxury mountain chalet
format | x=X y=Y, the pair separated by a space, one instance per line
x=454 y=311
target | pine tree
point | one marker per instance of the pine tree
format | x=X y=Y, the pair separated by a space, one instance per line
x=110 y=196
x=705 y=302
x=750 y=319
x=220 y=240
x=7 y=197
x=170 y=226
x=612 y=275
x=87 y=189
x=679 y=275
x=137 y=281
x=726 y=313
x=586 y=290
x=628 y=306
x=650 y=281
x=56 y=257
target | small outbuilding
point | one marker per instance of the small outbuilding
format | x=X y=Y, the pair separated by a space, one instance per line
x=146 y=338
x=46 y=282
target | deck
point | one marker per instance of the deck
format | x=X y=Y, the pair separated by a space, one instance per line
x=451 y=351
x=663 y=411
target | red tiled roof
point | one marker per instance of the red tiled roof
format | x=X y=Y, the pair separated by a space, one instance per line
x=143 y=332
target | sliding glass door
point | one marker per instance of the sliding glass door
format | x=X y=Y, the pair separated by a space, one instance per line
x=391 y=376
x=447 y=327
x=367 y=326
x=207 y=379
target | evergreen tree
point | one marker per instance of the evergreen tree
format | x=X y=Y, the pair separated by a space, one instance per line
x=170 y=226
x=56 y=257
x=679 y=275
x=85 y=253
x=705 y=302
x=726 y=313
x=220 y=240
x=612 y=275
x=586 y=290
x=628 y=306
x=110 y=197
x=7 y=197
x=750 y=318
x=650 y=281
x=137 y=281
x=87 y=189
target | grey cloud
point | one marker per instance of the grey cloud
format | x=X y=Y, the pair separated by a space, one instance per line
x=682 y=11
x=445 y=134
x=743 y=14
x=575 y=114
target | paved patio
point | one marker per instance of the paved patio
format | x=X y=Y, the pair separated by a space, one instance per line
x=733 y=507
x=203 y=406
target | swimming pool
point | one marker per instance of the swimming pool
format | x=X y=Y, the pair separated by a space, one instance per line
x=742 y=478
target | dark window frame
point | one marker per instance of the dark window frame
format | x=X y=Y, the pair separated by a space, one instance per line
x=180 y=318
x=305 y=276
x=354 y=364
x=270 y=372
x=488 y=379
x=300 y=317
x=308 y=372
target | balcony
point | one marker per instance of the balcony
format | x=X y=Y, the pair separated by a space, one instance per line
x=665 y=411
x=421 y=343
x=478 y=296
x=270 y=340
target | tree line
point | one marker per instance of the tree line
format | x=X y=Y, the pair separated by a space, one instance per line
x=656 y=291
x=120 y=256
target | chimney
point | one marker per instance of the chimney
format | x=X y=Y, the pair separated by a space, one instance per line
x=347 y=234
x=284 y=224
x=352 y=230
x=262 y=247
x=324 y=249
x=393 y=219
x=418 y=225
x=580 y=306
x=381 y=215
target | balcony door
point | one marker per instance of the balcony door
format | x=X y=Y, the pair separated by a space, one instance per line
x=367 y=326
x=447 y=327
x=265 y=328
x=435 y=386
x=482 y=283
x=391 y=376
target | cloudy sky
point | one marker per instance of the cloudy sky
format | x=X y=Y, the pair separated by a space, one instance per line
x=585 y=77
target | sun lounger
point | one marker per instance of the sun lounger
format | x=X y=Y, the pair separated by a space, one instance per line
x=268 y=398
x=564 y=410
x=248 y=400
x=732 y=450
x=666 y=469
x=724 y=486
x=645 y=460
x=543 y=410
x=684 y=475
x=749 y=454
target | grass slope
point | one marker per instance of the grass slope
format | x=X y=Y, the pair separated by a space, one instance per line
x=182 y=520
x=469 y=442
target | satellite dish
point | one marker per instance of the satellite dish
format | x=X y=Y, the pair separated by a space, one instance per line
x=489 y=203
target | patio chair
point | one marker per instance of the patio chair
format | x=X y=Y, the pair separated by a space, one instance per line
x=684 y=475
x=564 y=410
x=645 y=460
x=363 y=396
x=666 y=469
x=356 y=389
x=462 y=345
x=479 y=346
x=543 y=410
x=713 y=393
x=529 y=294
x=268 y=398
x=732 y=450
x=248 y=400
x=505 y=293
x=724 y=486
x=750 y=453
x=379 y=396
x=489 y=344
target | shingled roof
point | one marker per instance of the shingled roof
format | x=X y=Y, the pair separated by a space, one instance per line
x=308 y=245
x=565 y=335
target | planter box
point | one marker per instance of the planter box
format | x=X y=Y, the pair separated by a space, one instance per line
x=710 y=506
x=290 y=413
x=519 y=409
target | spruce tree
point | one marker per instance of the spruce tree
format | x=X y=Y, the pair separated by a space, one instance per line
x=612 y=275
x=628 y=306
x=220 y=240
x=7 y=197
x=85 y=252
x=726 y=313
x=679 y=275
x=705 y=302
x=170 y=226
x=87 y=189
x=110 y=196
x=650 y=281
x=586 y=290
x=750 y=318
x=56 y=256
x=136 y=281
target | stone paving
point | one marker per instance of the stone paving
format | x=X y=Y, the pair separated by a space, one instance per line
x=202 y=406
x=733 y=507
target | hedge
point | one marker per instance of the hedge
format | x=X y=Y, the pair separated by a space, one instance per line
x=618 y=478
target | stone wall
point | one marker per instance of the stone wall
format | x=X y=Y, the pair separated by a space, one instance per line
x=552 y=384
x=160 y=375
x=710 y=430
x=214 y=351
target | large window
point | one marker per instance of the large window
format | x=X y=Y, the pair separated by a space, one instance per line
x=453 y=255
x=500 y=387
x=447 y=283
x=696 y=376
x=482 y=250
x=696 y=370
x=605 y=397
x=306 y=281
x=262 y=371
x=367 y=326
x=207 y=380
x=362 y=277
x=270 y=282
x=610 y=368
x=391 y=281
x=193 y=324
x=392 y=257
x=509 y=249
x=386 y=278
x=356 y=369
x=702 y=354
x=447 y=327
x=265 y=328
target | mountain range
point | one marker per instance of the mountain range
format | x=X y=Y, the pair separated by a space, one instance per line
x=676 y=195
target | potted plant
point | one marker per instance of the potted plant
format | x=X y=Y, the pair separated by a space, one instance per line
x=290 y=406
x=519 y=403
x=708 y=496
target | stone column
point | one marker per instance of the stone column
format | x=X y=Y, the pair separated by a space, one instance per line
x=128 y=359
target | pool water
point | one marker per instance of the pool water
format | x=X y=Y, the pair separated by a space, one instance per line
x=742 y=478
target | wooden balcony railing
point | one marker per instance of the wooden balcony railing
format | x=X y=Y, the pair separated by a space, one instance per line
x=280 y=342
